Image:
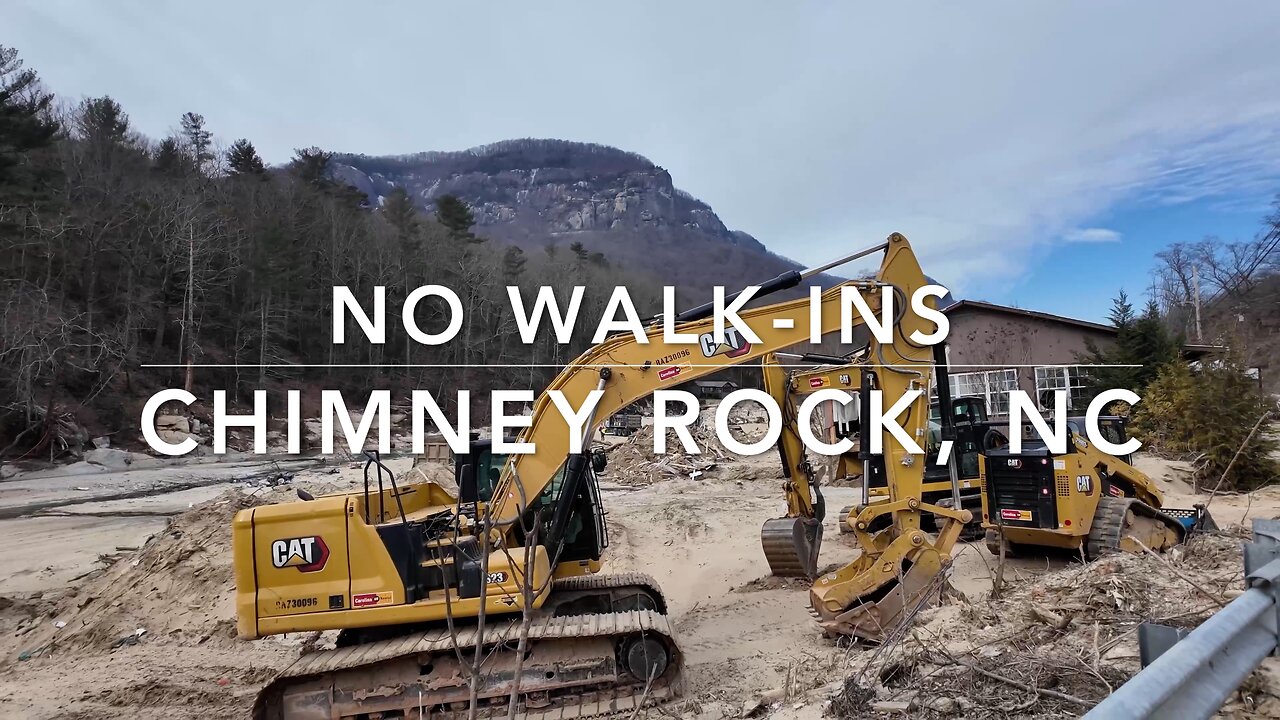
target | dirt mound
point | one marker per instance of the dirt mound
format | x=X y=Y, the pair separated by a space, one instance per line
x=1054 y=646
x=177 y=589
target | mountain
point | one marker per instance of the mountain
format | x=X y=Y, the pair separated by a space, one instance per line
x=535 y=193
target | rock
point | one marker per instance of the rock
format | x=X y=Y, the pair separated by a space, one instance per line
x=313 y=431
x=110 y=458
x=173 y=436
x=176 y=423
x=102 y=442
x=943 y=705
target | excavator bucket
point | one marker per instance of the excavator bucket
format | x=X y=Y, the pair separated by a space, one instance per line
x=897 y=595
x=902 y=574
x=791 y=545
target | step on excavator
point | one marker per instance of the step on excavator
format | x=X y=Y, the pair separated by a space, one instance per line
x=1083 y=500
x=492 y=602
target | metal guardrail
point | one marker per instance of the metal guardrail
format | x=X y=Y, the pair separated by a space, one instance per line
x=1195 y=675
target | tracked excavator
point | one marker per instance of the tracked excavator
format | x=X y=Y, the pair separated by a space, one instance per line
x=1083 y=500
x=419 y=582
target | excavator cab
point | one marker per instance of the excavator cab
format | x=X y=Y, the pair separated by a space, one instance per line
x=478 y=471
x=585 y=534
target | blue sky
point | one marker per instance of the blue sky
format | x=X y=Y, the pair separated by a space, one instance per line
x=994 y=135
x=1079 y=279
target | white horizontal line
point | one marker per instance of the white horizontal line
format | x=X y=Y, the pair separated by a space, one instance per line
x=589 y=365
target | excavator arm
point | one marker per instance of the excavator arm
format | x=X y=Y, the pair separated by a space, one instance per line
x=901 y=568
x=625 y=370
x=791 y=543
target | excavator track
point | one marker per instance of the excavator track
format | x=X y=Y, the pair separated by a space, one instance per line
x=576 y=664
x=1119 y=520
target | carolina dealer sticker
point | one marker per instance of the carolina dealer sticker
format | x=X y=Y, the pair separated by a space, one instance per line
x=1015 y=515
x=364 y=600
x=671 y=371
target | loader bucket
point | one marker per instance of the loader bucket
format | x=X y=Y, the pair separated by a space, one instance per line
x=1193 y=520
x=791 y=545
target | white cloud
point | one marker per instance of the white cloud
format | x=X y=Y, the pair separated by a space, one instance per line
x=984 y=132
x=1091 y=235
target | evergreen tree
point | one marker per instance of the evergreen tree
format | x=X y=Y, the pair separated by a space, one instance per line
x=1207 y=413
x=199 y=139
x=1151 y=345
x=456 y=217
x=400 y=212
x=243 y=159
x=311 y=165
x=25 y=124
x=102 y=121
x=169 y=159
x=513 y=262
x=1121 y=313
x=1142 y=346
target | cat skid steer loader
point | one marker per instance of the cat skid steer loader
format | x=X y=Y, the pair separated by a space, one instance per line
x=1083 y=500
x=419 y=582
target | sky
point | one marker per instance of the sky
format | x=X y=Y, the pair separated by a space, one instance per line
x=1036 y=154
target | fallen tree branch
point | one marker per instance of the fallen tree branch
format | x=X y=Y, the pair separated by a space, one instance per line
x=1021 y=685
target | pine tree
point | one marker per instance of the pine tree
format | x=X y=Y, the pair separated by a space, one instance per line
x=243 y=159
x=311 y=165
x=199 y=139
x=456 y=217
x=400 y=212
x=25 y=124
x=169 y=159
x=1121 y=313
x=513 y=262
x=102 y=121
x=1142 y=346
x=1151 y=345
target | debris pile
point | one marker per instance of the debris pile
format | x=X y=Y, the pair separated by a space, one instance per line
x=1055 y=646
x=635 y=463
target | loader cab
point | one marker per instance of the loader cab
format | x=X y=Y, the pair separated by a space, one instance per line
x=1114 y=429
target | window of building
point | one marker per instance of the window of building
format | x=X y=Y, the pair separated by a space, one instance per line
x=992 y=386
x=1072 y=378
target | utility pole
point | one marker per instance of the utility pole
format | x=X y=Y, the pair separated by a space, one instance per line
x=1195 y=284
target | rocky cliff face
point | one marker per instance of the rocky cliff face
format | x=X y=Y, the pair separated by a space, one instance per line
x=541 y=192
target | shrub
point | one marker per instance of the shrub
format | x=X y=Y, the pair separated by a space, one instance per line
x=1206 y=414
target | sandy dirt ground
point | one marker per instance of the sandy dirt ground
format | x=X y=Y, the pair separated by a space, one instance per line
x=71 y=645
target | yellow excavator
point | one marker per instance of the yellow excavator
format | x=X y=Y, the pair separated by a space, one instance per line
x=490 y=601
